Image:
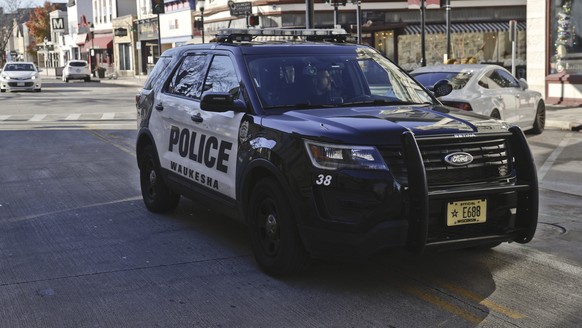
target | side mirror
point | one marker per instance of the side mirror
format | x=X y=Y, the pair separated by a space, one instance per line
x=442 y=88
x=523 y=84
x=221 y=102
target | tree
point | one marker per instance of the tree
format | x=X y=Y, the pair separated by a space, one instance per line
x=38 y=26
x=11 y=15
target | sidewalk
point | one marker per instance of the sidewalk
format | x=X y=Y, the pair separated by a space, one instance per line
x=137 y=81
x=563 y=117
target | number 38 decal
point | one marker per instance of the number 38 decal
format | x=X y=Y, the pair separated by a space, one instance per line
x=323 y=179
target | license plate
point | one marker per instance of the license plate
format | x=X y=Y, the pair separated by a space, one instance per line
x=466 y=212
x=19 y=84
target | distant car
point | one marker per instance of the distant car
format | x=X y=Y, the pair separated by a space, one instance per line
x=20 y=76
x=490 y=90
x=77 y=70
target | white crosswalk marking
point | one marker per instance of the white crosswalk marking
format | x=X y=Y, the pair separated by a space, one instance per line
x=108 y=116
x=4 y=117
x=73 y=117
x=37 y=118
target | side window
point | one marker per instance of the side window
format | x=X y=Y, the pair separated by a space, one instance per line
x=495 y=81
x=510 y=81
x=222 y=76
x=188 y=77
x=161 y=65
x=484 y=82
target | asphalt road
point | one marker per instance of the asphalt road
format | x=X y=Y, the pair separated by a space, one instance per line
x=79 y=249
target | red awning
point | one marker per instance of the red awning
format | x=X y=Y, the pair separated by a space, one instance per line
x=101 y=42
x=81 y=39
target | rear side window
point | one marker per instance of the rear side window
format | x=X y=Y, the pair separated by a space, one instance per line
x=153 y=76
x=187 y=79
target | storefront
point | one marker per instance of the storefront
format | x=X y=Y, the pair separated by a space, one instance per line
x=564 y=58
x=147 y=45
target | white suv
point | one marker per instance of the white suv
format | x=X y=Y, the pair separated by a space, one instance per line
x=77 y=70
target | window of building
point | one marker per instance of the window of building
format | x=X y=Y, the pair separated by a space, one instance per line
x=565 y=35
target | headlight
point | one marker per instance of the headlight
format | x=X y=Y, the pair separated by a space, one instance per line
x=6 y=77
x=334 y=157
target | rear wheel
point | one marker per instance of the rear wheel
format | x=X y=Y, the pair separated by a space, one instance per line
x=540 y=119
x=274 y=238
x=156 y=195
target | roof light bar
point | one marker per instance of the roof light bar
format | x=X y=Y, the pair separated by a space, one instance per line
x=247 y=34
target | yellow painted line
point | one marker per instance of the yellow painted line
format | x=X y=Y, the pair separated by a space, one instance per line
x=476 y=298
x=441 y=303
x=465 y=293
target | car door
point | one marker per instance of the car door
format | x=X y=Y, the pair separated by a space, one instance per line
x=524 y=104
x=200 y=146
x=502 y=93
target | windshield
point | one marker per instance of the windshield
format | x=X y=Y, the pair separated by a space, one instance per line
x=457 y=79
x=332 y=80
x=19 y=67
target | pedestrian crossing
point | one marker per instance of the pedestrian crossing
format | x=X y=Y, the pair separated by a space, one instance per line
x=121 y=120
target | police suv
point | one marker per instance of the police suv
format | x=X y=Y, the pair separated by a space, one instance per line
x=326 y=148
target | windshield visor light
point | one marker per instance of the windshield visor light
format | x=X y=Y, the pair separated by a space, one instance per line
x=336 y=157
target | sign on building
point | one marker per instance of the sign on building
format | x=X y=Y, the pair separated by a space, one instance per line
x=58 y=24
x=240 y=8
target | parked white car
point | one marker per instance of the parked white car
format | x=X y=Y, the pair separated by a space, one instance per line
x=490 y=90
x=77 y=70
x=20 y=76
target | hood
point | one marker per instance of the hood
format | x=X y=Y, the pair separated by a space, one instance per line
x=19 y=74
x=381 y=125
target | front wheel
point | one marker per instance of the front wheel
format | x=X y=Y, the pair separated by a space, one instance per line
x=540 y=119
x=156 y=195
x=274 y=238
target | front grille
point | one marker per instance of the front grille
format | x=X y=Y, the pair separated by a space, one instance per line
x=491 y=161
x=15 y=84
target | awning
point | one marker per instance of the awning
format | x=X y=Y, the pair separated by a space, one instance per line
x=463 y=28
x=101 y=42
x=81 y=39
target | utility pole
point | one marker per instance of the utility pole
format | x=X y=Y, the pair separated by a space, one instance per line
x=422 y=34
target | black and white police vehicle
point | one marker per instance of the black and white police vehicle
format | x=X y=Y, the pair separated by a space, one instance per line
x=326 y=148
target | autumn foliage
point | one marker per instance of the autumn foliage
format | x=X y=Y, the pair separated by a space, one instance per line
x=38 y=25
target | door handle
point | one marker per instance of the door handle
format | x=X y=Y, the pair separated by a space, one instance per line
x=197 y=118
x=160 y=107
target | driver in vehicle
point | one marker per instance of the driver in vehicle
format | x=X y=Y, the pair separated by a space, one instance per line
x=322 y=85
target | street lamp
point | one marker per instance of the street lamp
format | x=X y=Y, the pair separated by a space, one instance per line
x=92 y=51
x=201 y=4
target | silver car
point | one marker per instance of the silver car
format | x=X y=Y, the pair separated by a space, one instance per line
x=77 y=70
x=20 y=76
x=490 y=90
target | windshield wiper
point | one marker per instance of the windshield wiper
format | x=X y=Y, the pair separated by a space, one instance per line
x=303 y=106
x=377 y=102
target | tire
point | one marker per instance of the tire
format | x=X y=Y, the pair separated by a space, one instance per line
x=2 y=90
x=495 y=114
x=540 y=119
x=88 y=79
x=158 y=198
x=273 y=233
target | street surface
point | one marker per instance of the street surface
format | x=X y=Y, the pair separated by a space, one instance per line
x=79 y=249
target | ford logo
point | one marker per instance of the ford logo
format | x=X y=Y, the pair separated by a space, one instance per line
x=459 y=159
